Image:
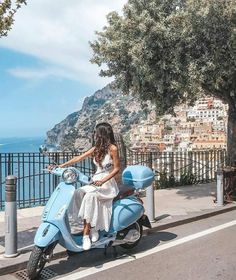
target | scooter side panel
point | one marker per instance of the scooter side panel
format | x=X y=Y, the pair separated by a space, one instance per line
x=126 y=211
x=58 y=202
x=55 y=213
x=46 y=234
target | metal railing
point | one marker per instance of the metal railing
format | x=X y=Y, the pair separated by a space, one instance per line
x=171 y=168
x=180 y=168
x=35 y=185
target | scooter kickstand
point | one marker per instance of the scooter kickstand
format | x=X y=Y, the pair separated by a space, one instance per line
x=114 y=253
x=105 y=251
x=106 y=247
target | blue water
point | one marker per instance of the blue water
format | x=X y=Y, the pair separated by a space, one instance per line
x=31 y=187
x=20 y=145
x=33 y=183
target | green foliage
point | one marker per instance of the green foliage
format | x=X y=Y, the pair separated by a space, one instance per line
x=168 y=127
x=170 y=51
x=191 y=119
x=186 y=178
x=96 y=102
x=123 y=111
x=8 y=9
x=166 y=181
x=163 y=181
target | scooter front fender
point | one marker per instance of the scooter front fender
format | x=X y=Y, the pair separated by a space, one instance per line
x=46 y=234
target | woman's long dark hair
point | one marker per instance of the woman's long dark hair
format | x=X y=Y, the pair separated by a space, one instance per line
x=103 y=138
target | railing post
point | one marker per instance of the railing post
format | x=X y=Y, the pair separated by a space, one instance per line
x=9 y=167
x=10 y=218
x=150 y=209
x=220 y=186
x=150 y=204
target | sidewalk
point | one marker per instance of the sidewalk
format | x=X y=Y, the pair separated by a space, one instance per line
x=172 y=207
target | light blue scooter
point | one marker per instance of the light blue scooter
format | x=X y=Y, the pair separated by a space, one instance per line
x=126 y=223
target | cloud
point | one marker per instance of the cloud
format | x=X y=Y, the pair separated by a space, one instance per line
x=57 y=33
x=37 y=73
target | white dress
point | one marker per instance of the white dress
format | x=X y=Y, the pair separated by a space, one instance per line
x=93 y=203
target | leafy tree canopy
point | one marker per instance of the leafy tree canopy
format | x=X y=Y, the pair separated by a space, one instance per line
x=8 y=9
x=171 y=51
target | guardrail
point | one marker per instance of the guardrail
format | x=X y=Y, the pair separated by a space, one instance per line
x=34 y=185
x=180 y=168
x=172 y=169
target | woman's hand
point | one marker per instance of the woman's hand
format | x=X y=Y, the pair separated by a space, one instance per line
x=51 y=166
x=98 y=183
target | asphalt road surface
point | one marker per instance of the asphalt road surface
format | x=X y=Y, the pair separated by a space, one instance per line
x=202 y=250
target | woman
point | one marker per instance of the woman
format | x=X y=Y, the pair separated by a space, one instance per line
x=95 y=201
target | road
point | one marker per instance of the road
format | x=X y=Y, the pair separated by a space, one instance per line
x=202 y=250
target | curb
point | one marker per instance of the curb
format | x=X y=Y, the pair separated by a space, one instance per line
x=22 y=265
x=62 y=253
x=189 y=220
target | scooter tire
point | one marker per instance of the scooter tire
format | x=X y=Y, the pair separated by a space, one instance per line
x=37 y=260
x=36 y=263
x=129 y=246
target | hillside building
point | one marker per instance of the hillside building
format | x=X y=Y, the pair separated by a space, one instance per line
x=200 y=127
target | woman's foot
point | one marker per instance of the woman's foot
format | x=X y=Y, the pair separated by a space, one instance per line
x=94 y=235
x=86 y=242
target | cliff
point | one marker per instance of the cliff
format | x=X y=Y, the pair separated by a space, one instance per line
x=122 y=112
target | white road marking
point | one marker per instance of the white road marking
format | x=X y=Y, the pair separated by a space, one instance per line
x=105 y=266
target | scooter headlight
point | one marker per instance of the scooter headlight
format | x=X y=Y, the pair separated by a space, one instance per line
x=70 y=175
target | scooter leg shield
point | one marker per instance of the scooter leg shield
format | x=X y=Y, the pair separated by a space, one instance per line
x=46 y=234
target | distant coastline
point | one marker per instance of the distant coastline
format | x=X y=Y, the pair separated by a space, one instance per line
x=20 y=144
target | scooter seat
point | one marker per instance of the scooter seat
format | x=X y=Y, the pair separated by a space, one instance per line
x=124 y=191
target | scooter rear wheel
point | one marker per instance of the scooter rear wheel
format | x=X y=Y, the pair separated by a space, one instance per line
x=38 y=260
x=131 y=245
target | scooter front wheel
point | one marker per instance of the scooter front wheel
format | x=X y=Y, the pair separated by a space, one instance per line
x=130 y=245
x=38 y=258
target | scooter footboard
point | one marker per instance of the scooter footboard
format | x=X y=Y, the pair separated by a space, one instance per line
x=46 y=234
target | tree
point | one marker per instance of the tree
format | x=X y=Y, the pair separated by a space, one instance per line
x=173 y=51
x=191 y=119
x=7 y=12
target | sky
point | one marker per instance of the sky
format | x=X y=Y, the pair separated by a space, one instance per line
x=45 y=72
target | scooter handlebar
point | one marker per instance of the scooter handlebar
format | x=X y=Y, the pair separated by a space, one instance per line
x=58 y=171
x=54 y=171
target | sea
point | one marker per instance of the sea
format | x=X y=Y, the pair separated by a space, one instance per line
x=34 y=183
x=32 y=188
x=21 y=144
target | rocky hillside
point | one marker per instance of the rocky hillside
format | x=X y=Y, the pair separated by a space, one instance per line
x=107 y=104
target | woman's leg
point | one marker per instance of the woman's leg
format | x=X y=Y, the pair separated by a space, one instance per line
x=91 y=232
x=89 y=211
x=86 y=239
x=75 y=204
x=87 y=227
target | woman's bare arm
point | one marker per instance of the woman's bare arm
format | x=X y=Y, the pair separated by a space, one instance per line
x=78 y=158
